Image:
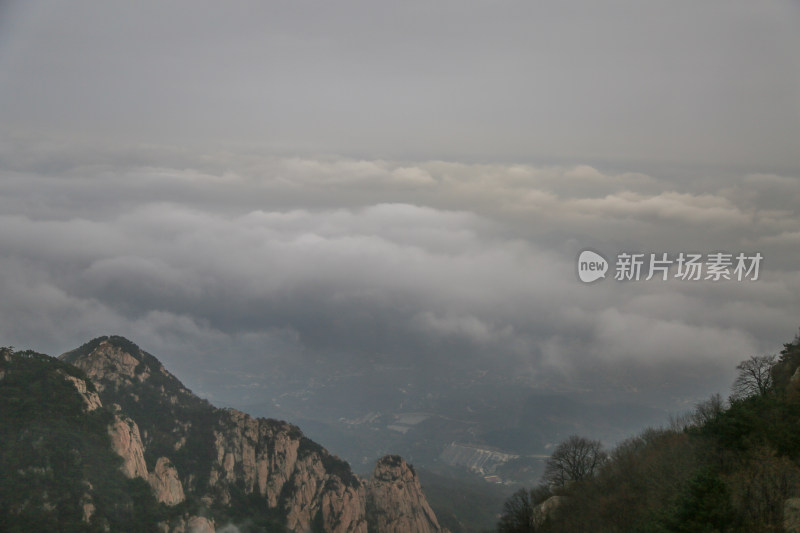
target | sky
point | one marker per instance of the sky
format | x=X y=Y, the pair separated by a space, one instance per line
x=244 y=185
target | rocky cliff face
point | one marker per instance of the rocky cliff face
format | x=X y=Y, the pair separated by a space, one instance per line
x=273 y=459
x=791 y=515
x=127 y=443
x=90 y=398
x=395 y=502
x=235 y=465
x=166 y=485
x=546 y=510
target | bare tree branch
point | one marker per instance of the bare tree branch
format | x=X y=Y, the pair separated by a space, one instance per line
x=755 y=377
x=574 y=459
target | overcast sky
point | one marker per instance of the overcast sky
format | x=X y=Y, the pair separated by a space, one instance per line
x=234 y=184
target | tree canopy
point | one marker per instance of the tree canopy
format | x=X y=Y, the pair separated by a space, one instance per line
x=575 y=459
x=755 y=377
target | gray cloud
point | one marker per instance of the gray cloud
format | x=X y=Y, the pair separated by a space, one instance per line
x=472 y=267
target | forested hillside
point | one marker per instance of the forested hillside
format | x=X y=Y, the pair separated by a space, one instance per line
x=728 y=466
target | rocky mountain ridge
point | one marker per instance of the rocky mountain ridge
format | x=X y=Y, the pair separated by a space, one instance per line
x=208 y=466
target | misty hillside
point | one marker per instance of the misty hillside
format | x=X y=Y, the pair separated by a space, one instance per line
x=728 y=467
x=106 y=439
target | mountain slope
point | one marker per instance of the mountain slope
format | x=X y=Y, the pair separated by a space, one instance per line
x=190 y=464
x=59 y=472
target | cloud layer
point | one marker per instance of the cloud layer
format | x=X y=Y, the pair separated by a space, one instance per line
x=248 y=259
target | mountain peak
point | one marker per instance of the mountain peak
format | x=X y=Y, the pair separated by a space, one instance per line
x=116 y=364
x=103 y=342
x=113 y=359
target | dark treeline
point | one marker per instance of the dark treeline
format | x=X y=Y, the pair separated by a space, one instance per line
x=727 y=466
